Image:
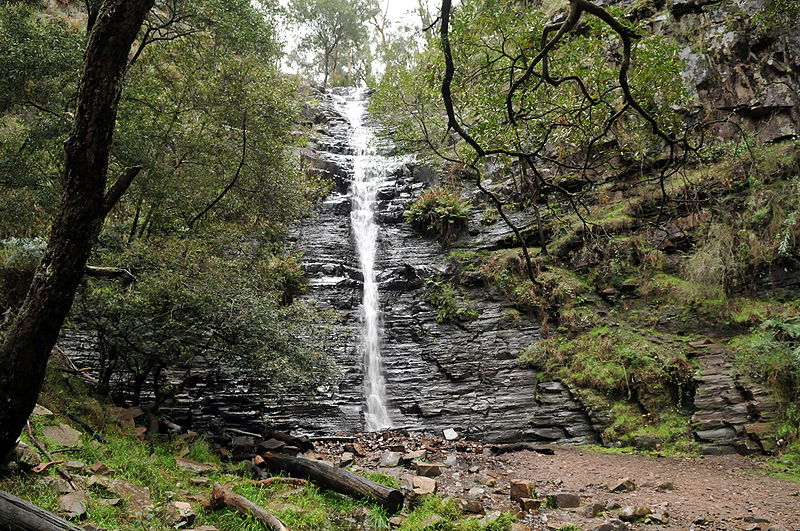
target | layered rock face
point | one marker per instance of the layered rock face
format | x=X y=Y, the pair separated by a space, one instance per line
x=463 y=376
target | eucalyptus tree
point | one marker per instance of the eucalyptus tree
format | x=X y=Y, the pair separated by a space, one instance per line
x=560 y=97
x=335 y=34
x=26 y=344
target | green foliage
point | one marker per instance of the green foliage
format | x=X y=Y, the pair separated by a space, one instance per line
x=771 y=354
x=778 y=15
x=18 y=260
x=190 y=302
x=637 y=377
x=439 y=211
x=490 y=40
x=334 y=34
x=452 y=518
x=449 y=303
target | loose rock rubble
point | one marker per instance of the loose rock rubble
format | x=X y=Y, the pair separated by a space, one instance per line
x=591 y=490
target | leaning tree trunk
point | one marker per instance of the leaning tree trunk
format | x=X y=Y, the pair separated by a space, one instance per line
x=84 y=204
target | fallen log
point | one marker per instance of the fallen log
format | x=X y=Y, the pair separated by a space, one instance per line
x=294 y=482
x=221 y=497
x=518 y=447
x=18 y=514
x=337 y=479
x=302 y=443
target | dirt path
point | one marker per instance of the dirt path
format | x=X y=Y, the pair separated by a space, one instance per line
x=708 y=493
x=718 y=492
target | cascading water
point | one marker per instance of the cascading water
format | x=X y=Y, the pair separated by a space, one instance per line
x=369 y=172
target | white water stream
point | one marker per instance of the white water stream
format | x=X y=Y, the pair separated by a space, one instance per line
x=370 y=170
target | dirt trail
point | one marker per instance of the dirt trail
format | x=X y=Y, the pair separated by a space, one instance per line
x=701 y=493
x=717 y=492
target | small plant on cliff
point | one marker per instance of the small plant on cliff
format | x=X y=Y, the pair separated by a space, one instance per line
x=449 y=304
x=440 y=211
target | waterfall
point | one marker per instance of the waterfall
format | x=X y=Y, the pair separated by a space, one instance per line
x=369 y=171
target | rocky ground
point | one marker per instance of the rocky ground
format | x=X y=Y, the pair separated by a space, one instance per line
x=583 y=487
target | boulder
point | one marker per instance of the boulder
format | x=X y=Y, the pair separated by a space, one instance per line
x=564 y=500
x=450 y=434
x=530 y=505
x=430 y=470
x=522 y=488
x=346 y=459
x=471 y=506
x=179 y=514
x=612 y=525
x=193 y=466
x=63 y=435
x=100 y=468
x=73 y=505
x=390 y=459
x=623 y=485
x=423 y=485
x=631 y=513
x=417 y=455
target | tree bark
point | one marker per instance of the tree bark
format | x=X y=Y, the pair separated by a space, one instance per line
x=26 y=346
x=221 y=497
x=337 y=479
x=16 y=513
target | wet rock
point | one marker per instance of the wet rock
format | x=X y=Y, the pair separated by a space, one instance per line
x=390 y=459
x=633 y=513
x=612 y=525
x=430 y=470
x=63 y=435
x=422 y=485
x=756 y=519
x=521 y=488
x=623 y=485
x=73 y=505
x=179 y=514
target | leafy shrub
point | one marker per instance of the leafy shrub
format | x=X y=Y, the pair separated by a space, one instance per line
x=439 y=211
x=188 y=302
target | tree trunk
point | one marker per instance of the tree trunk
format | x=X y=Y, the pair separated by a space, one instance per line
x=19 y=514
x=337 y=479
x=26 y=346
